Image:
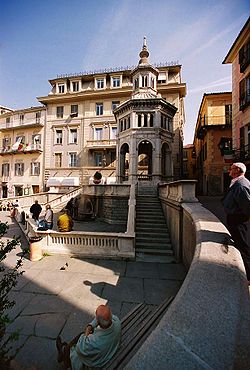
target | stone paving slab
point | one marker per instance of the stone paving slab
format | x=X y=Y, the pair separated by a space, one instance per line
x=51 y=301
x=156 y=290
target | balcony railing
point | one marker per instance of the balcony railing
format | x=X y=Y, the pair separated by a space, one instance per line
x=216 y=120
x=26 y=122
x=23 y=148
x=205 y=121
x=101 y=143
x=243 y=153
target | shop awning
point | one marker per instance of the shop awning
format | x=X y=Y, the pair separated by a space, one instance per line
x=63 y=181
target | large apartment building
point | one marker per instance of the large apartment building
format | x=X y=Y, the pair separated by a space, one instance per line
x=239 y=57
x=73 y=134
x=22 y=151
x=213 y=142
x=81 y=130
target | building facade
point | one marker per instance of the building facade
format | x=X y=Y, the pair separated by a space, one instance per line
x=239 y=57
x=81 y=129
x=189 y=164
x=145 y=129
x=213 y=143
x=22 y=151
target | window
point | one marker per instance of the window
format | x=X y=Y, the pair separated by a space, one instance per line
x=58 y=160
x=244 y=56
x=116 y=81
x=73 y=136
x=19 y=169
x=74 y=111
x=244 y=92
x=59 y=137
x=144 y=81
x=5 y=169
x=75 y=86
x=20 y=139
x=21 y=118
x=36 y=139
x=35 y=168
x=38 y=117
x=98 y=133
x=7 y=119
x=99 y=109
x=113 y=132
x=115 y=104
x=72 y=160
x=6 y=142
x=59 y=112
x=98 y=159
x=100 y=83
x=61 y=88
x=228 y=113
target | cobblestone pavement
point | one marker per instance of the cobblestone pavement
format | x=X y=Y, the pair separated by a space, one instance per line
x=52 y=301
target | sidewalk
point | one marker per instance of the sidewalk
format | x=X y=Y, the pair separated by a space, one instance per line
x=51 y=301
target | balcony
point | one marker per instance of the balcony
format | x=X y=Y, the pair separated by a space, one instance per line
x=242 y=154
x=22 y=149
x=101 y=144
x=215 y=120
x=206 y=122
x=20 y=124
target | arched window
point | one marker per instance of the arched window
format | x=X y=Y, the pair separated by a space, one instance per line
x=151 y=120
x=139 y=120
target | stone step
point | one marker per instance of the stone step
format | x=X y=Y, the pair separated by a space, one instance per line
x=147 y=244
x=152 y=237
x=159 y=251
x=145 y=257
x=152 y=218
x=151 y=223
x=148 y=209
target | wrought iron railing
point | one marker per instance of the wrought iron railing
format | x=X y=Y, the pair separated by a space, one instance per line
x=242 y=153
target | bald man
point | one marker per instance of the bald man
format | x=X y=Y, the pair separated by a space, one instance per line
x=96 y=346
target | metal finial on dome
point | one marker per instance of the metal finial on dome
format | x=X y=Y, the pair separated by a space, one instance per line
x=144 y=54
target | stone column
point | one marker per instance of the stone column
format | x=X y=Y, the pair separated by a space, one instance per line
x=133 y=161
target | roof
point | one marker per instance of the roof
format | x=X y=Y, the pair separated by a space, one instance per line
x=188 y=146
x=244 y=33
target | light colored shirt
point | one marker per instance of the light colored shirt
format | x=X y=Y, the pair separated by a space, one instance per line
x=48 y=215
x=234 y=180
x=98 y=348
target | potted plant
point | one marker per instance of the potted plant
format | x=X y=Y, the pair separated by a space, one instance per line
x=97 y=177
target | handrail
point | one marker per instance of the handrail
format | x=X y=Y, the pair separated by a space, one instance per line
x=131 y=211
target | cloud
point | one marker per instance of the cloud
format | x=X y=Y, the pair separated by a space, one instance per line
x=226 y=81
x=209 y=42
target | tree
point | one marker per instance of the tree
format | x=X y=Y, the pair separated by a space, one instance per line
x=8 y=279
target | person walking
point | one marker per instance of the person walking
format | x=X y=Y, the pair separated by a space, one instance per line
x=236 y=203
x=35 y=209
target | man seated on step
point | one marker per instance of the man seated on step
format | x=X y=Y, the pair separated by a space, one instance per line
x=96 y=346
x=65 y=222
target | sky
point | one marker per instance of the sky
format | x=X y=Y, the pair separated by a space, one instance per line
x=40 y=40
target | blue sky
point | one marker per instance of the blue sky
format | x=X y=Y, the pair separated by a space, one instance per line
x=42 y=39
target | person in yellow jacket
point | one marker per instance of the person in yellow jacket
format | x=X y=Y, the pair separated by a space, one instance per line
x=65 y=222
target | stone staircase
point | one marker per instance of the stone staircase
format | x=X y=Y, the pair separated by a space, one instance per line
x=152 y=241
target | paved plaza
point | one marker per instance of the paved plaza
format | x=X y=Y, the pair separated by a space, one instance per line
x=52 y=301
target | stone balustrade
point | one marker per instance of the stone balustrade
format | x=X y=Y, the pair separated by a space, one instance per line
x=88 y=244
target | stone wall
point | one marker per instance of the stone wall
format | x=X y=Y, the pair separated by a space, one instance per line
x=207 y=325
x=113 y=209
